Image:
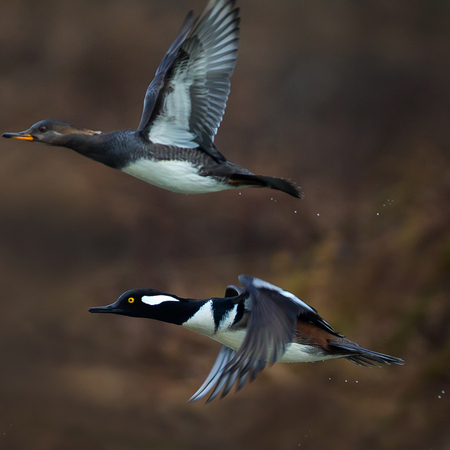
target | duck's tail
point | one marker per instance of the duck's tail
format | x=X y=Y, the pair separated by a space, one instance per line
x=279 y=184
x=361 y=356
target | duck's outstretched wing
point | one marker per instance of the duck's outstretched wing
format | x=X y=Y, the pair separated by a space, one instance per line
x=185 y=103
x=272 y=323
x=221 y=379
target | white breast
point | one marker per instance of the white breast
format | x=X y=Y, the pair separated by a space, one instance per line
x=202 y=321
x=175 y=176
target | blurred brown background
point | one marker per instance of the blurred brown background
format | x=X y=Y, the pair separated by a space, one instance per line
x=351 y=100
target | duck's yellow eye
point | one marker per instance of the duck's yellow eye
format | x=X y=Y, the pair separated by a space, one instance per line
x=131 y=300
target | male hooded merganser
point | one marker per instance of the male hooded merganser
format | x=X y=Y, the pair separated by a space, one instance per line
x=173 y=147
x=255 y=324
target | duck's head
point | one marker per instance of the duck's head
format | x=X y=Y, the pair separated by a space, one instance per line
x=50 y=132
x=148 y=303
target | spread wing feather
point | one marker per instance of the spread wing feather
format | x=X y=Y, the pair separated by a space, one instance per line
x=272 y=322
x=185 y=103
x=154 y=88
x=220 y=379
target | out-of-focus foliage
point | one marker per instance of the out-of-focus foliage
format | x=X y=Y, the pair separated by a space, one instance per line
x=350 y=99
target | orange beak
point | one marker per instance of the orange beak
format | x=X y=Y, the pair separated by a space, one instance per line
x=23 y=137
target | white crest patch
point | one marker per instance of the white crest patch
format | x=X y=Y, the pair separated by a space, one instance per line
x=153 y=300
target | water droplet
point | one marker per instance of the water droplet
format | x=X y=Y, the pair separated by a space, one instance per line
x=443 y=392
x=295 y=212
x=378 y=214
x=346 y=381
x=240 y=193
x=439 y=396
x=356 y=381
x=318 y=214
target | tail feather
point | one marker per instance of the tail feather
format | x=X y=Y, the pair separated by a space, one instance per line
x=280 y=184
x=363 y=357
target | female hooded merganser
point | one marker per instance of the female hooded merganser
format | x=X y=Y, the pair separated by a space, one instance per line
x=255 y=324
x=173 y=147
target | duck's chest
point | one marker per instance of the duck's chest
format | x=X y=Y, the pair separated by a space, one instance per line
x=214 y=318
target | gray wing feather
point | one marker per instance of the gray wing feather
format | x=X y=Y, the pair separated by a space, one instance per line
x=192 y=95
x=271 y=326
x=223 y=357
x=216 y=50
x=155 y=86
x=220 y=379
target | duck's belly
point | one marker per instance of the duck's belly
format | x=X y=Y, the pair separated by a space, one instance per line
x=294 y=352
x=175 y=176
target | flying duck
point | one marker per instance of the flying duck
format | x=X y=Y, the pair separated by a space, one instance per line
x=256 y=324
x=173 y=147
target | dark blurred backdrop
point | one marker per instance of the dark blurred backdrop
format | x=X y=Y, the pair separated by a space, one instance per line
x=349 y=99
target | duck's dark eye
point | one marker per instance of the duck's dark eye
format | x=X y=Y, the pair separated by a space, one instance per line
x=42 y=128
x=131 y=300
